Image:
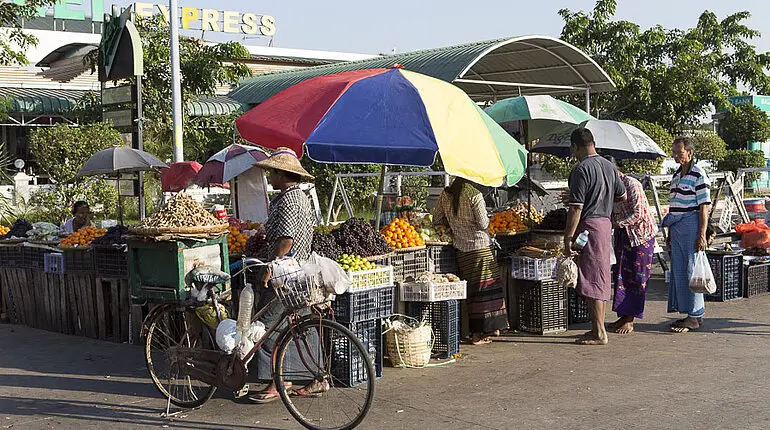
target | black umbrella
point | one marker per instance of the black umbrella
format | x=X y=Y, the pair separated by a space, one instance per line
x=118 y=160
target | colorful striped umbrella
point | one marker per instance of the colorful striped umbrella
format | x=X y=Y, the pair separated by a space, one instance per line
x=229 y=163
x=387 y=116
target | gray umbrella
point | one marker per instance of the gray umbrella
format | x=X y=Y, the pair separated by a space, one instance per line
x=112 y=161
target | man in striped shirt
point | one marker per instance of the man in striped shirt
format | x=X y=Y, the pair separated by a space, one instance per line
x=687 y=221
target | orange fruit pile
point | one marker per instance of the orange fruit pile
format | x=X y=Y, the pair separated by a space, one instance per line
x=506 y=222
x=400 y=234
x=82 y=237
x=4 y=230
x=236 y=241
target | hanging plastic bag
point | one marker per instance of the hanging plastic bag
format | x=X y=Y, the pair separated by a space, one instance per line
x=567 y=274
x=227 y=336
x=335 y=280
x=702 y=279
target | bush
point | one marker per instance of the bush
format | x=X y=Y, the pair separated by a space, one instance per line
x=660 y=136
x=743 y=158
x=744 y=124
x=709 y=146
x=557 y=167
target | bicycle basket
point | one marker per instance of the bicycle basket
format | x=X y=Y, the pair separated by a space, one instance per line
x=294 y=287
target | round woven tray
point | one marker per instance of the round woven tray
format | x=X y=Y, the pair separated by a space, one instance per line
x=432 y=243
x=504 y=234
x=76 y=248
x=378 y=257
x=414 y=248
x=45 y=242
x=12 y=241
x=543 y=231
x=155 y=231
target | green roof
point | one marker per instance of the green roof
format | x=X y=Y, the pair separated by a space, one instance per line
x=209 y=106
x=37 y=101
x=488 y=70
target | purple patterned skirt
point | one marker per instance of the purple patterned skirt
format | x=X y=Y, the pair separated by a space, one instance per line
x=630 y=275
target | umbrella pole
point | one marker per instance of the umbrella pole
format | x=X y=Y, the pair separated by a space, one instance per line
x=120 y=203
x=529 y=162
x=380 y=191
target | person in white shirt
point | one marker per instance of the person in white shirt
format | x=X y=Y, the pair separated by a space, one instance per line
x=82 y=217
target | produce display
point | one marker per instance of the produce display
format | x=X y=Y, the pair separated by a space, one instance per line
x=83 y=237
x=400 y=234
x=19 y=229
x=354 y=263
x=181 y=211
x=529 y=215
x=44 y=231
x=356 y=236
x=113 y=236
x=438 y=278
x=554 y=220
x=506 y=222
x=243 y=225
x=325 y=245
x=429 y=232
x=236 y=241
x=256 y=245
x=541 y=251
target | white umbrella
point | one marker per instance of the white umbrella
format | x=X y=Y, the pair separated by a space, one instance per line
x=618 y=139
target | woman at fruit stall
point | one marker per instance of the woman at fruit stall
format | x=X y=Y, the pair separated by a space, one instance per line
x=461 y=208
x=289 y=229
x=687 y=221
x=81 y=217
x=635 y=230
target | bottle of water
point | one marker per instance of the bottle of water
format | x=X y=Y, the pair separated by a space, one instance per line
x=581 y=240
x=246 y=303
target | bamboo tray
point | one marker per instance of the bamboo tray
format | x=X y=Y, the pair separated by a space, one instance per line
x=156 y=231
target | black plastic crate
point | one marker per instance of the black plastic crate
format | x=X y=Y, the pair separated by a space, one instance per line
x=78 y=261
x=578 y=308
x=348 y=370
x=364 y=305
x=11 y=256
x=111 y=261
x=542 y=306
x=443 y=258
x=508 y=244
x=728 y=273
x=409 y=264
x=444 y=318
x=33 y=257
x=756 y=279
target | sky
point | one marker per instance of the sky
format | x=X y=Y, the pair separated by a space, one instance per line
x=372 y=27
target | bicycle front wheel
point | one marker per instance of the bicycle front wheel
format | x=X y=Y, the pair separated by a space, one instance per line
x=169 y=330
x=324 y=375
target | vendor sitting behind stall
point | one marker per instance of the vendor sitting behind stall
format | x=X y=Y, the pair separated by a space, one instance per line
x=82 y=217
x=289 y=229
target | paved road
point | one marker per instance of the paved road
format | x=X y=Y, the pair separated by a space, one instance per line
x=713 y=379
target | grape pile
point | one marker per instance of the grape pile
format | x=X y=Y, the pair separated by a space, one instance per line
x=554 y=220
x=114 y=236
x=256 y=245
x=325 y=245
x=19 y=229
x=356 y=236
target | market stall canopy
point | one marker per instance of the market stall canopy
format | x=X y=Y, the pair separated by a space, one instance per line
x=486 y=71
x=544 y=113
x=229 y=163
x=387 y=116
x=120 y=160
x=614 y=138
x=179 y=176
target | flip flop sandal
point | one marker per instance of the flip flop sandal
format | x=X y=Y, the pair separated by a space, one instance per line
x=305 y=393
x=264 y=397
x=486 y=340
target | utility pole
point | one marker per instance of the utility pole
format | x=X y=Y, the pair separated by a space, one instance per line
x=176 y=90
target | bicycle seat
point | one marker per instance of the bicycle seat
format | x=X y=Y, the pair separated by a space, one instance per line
x=207 y=275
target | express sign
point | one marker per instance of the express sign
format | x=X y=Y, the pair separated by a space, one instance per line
x=191 y=18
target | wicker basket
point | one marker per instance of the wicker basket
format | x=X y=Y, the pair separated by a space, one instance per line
x=152 y=231
x=409 y=347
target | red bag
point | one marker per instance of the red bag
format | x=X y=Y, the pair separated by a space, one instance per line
x=756 y=239
x=750 y=227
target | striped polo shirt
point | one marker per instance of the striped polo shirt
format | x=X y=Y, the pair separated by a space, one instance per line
x=690 y=191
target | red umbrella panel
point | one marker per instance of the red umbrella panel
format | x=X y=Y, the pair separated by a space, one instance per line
x=179 y=176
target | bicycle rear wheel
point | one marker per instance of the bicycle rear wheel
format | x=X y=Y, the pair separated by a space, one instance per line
x=171 y=328
x=317 y=355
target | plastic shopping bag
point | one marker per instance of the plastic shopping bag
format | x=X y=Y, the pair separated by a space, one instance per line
x=567 y=273
x=702 y=279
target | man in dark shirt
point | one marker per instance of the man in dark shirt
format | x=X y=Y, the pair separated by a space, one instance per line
x=594 y=186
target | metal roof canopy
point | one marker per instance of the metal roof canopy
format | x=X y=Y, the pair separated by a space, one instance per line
x=486 y=71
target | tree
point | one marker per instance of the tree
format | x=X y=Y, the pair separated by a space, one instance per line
x=14 y=42
x=204 y=68
x=668 y=76
x=742 y=158
x=74 y=146
x=657 y=134
x=709 y=146
x=744 y=124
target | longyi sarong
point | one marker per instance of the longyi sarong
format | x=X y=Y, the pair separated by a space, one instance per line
x=594 y=280
x=486 y=298
x=683 y=230
x=630 y=275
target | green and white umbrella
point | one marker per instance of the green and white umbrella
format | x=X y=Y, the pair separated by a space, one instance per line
x=544 y=113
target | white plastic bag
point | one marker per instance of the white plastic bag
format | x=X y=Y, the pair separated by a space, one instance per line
x=702 y=279
x=335 y=280
x=567 y=274
x=227 y=336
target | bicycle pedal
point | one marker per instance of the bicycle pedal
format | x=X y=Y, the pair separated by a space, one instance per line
x=242 y=392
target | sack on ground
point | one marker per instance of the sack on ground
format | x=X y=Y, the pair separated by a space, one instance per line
x=702 y=279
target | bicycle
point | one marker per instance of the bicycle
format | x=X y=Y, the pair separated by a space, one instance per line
x=187 y=366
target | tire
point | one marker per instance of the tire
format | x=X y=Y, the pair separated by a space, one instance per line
x=340 y=348
x=171 y=326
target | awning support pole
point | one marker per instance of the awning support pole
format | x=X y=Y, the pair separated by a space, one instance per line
x=588 y=101
x=380 y=191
